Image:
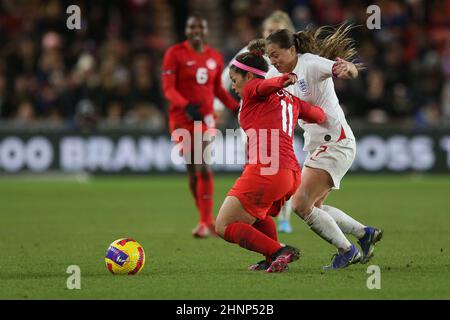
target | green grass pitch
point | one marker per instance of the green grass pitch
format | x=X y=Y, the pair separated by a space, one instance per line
x=45 y=226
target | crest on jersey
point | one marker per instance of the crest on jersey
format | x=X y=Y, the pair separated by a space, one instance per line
x=211 y=64
x=303 y=86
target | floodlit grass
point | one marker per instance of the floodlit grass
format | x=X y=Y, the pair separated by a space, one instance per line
x=45 y=226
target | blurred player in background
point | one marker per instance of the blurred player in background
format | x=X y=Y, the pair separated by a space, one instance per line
x=245 y=215
x=331 y=145
x=276 y=21
x=191 y=77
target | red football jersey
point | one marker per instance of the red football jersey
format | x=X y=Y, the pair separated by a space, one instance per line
x=194 y=77
x=265 y=105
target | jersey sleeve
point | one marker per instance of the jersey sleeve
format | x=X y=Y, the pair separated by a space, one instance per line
x=169 y=79
x=320 y=67
x=224 y=96
x=310 y=113
x=269 y=86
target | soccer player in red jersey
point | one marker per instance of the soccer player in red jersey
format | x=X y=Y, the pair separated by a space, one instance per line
x=260 y=192
x=191 y=77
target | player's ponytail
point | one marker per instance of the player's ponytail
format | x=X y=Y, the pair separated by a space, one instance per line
x=254 y=58
x=327 y=41
x=304 y=41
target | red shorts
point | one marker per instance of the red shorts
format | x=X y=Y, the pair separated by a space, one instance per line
x=208 y=122
x=187 y=146
x=263 y=195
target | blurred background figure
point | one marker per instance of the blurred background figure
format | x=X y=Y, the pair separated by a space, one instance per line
x=191 y=78
x=85 y=118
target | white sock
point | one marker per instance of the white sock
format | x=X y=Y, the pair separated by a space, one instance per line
x=285 y=213
x=346 y=223
x=324 y=225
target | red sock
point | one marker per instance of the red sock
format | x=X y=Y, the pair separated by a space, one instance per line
x=193 y=188
x=205 y=196
x=267 y=226
x=249 y=238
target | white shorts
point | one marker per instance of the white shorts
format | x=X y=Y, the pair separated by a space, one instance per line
x=333 y=157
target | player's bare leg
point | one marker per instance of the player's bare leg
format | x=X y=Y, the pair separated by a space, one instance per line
x=316 y=184
x=234 y=224
x=232 y=211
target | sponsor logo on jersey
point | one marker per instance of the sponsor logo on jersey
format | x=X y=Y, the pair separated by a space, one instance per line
x=191 y=63
x=211 y=64
x=167 y=72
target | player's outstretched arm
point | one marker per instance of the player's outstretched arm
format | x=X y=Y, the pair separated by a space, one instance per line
x=272 y=85
x=310 y=113
x=344 y=70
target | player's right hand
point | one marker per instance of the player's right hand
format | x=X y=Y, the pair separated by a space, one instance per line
x=192 y=111
x=292 y=79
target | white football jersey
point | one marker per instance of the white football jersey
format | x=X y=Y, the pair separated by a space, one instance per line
x=315 y=85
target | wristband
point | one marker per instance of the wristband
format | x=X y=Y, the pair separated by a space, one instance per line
x=333 y=72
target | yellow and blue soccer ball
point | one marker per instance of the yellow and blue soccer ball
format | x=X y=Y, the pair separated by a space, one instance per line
x=125 y=256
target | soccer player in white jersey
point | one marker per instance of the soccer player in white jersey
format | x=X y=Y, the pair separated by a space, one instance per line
x=316 y=56
x=276 y=21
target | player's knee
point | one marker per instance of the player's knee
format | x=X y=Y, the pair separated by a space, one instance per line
x=301 y=205
x=220 y=228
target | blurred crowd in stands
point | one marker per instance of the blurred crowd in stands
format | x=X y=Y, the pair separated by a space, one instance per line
x=107 y=74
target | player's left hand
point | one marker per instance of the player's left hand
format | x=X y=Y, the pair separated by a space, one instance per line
x=192 y=111
x=341 y=69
